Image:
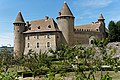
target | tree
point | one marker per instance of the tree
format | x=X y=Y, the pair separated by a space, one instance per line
x=112 y=31
x=36 y=62
x=6 y=60
x=118 y=30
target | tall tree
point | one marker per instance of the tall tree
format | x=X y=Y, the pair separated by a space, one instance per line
x=118 y=30
x=112 y=31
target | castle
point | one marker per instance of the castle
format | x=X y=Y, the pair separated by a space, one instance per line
x=46 y=33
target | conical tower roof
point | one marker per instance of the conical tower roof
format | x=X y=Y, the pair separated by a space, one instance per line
x=101 y=17
x=65 y=11
x=19 y=18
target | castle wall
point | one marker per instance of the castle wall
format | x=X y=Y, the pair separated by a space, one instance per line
x=43 y=39
x=84 y=37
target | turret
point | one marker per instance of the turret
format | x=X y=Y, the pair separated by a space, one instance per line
x=66 y=23
x=19 y=27
x=101 y=19
x=102 y=25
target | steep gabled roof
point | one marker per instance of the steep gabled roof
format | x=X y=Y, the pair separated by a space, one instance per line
x=42 y=25
x=65 y=11
x=19 y=18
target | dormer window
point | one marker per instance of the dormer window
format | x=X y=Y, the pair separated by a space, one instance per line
x=97 y=29
x=38 y=27
x=29 y=28
x=49 y=26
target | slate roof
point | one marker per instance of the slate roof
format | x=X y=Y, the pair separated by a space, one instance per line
x=19 y=18
x=44 y=25
x=65 y=11
x=91 y=27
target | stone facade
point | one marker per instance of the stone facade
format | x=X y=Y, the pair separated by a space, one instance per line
x=44 y=34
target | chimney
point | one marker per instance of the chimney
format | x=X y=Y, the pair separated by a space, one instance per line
x=27 y=23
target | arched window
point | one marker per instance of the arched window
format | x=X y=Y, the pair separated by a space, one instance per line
x=48 y=44
x=92 y=42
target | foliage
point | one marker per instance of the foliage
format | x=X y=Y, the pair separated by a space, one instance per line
x=8 y=76
x=6 y=60
x=112 y=31
x=36 y=62
x=118 y=31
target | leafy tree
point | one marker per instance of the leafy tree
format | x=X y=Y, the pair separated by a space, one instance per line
x=36 y=62
x=112 y=31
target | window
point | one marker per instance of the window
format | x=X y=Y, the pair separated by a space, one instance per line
x=97 y=29
x=49 y=26
x=37 y=45
x=29 y=28
x=48 y=44
x=37 y=36
x=48 y=36
x=92 y=41
x=28 y=45
x=38 y=27
x=18 y=30
x=28 y=37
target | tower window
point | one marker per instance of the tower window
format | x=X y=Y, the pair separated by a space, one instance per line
x=38 y=27
x=18 y=30
x=48 y=44
x=37 y=45
x=28 y=45
x=49 y=26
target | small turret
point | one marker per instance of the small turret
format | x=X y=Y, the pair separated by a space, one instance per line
x=19 y=28
x=101 y=19
x=102 y=25
x=66 y=23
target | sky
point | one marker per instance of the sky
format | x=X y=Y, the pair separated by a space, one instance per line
x=85 y=12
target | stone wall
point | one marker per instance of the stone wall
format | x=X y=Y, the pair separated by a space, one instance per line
x=42 y=39
x=84 y=37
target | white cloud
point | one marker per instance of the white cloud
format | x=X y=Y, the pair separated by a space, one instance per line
x=92 y=3
x=6 y=39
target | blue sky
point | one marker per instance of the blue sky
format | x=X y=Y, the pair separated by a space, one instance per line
x=85 y=12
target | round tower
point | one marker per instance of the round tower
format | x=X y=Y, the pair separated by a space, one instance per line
x=66 y=24
x=19 y=41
